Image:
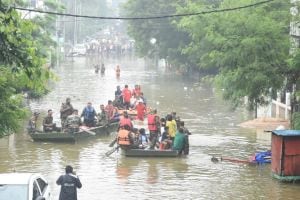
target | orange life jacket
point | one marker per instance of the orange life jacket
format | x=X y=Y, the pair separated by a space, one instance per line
x=151 y=122
x=123 y=137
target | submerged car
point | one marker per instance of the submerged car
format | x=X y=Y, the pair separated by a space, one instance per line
x=24 y=186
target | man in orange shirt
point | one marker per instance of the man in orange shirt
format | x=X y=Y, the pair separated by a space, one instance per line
x=140 y=109
x=126 y=93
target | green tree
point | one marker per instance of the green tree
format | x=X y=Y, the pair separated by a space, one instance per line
x=21 y=65
x=85 y=27
x=248 y=48
x=169 y=39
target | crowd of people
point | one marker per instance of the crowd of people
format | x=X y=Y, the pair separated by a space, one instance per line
x=110 y=113
x=164 y=133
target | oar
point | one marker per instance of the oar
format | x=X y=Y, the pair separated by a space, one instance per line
x=112 y=151
x=88 y=131
x=113 y=142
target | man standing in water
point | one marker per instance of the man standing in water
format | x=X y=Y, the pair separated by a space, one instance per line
x=69 y=184
x=118 y=71
x=66 y=109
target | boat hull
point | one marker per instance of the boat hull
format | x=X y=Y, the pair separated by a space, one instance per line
x=58 y=136
x=150 y=153
x=73 y=137
x=105 y=130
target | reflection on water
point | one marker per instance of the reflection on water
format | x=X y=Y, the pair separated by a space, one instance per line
x=214 y=131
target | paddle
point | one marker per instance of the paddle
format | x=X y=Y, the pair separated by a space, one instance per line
x=88 y=131
x=112 y=151
x=113 y=142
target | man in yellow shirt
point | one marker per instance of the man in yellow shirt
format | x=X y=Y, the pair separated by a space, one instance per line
x=171 y=123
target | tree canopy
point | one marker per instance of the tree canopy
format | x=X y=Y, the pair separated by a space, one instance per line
x=246 y=50
x=22 y=63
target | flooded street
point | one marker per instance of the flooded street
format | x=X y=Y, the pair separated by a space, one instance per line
x=212 y=123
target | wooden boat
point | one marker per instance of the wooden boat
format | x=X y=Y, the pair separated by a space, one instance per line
x=105 y=130
x=58 y=136
x=133 y=112
x=150 y=153
x=85 y=132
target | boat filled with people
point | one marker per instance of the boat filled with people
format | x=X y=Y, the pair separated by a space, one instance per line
x=143 y=133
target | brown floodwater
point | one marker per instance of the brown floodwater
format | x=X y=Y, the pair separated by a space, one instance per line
x=212 y=123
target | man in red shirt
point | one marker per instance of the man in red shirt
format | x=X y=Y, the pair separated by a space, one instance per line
x=140 y=109
x=126 y=93
x=109 y=108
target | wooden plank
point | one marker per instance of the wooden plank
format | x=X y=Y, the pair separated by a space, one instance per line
x=292 y=146
x=276 y=154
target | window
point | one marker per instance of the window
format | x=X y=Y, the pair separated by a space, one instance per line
x=36 y=192
x=42 y=184
x=16 y=192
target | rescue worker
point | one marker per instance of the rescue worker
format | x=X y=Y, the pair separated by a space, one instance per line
x=141 y=110
x=66 y=109
x=69 y=184
x=126 y=93
x=118 y=102
x=154 y=127
x=109 y=108
x=186 y=132
x=89 y=115
x=73 y=122
x=48 y=124
x=125 y=139
x=102 y=116
x=125 y=122
x=180 y=141
x=31 y=127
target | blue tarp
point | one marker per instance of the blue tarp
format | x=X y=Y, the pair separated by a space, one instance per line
x=263 y=157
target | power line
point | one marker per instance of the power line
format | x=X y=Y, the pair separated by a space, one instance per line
x=148 y=17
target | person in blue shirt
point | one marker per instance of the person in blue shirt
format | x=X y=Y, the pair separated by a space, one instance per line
x=89 y=115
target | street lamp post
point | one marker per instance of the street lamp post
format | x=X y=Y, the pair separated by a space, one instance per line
x=153 y=42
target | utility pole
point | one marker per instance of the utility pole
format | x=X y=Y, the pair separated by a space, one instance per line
x=75 y=24
x=57 y=39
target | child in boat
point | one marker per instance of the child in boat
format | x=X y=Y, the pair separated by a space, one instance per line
x=143 y=139
x=166 y=142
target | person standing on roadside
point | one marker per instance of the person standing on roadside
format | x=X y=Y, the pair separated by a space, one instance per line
x=69 y=184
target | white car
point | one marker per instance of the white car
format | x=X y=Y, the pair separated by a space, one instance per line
x=78 y=50
x=23 y=186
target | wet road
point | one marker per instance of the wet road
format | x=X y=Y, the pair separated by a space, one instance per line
x=212 y=123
